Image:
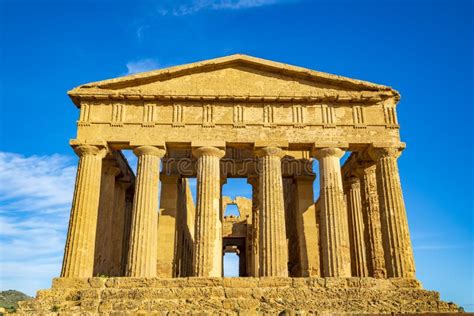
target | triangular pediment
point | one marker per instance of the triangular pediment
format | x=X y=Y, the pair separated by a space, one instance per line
x=235 y=76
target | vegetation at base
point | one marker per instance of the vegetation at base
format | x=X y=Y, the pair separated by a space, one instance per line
x=9 y=299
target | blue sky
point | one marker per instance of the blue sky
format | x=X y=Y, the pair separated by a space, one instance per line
x=422 y=48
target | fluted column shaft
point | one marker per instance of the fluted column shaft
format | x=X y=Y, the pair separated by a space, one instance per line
x=208 y=232
x=103 y=257
x=118 y=223
x=254 y=256
x=371 y=211
x=127 y=225
x=144 y=229
x=79 y=251
x=167 y=245
x=356 y=228
x=273 y=247
x=396 y=237
x=334 y=231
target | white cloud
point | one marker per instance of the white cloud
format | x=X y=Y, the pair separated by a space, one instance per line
x=142 y=65
x=35 y=199
x=195 y=6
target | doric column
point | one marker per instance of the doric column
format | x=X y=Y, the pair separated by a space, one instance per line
x=395 y=234
x=356 y=228
x=334 y=231
x=371 y=212
x=254 y=255
x=127 y=224
x=273 y=246
x=306 y=227
x=144 y=229
x=79 y=251
x=208 y=242
x=167 y=227
x=103 y=258
x=118 y=223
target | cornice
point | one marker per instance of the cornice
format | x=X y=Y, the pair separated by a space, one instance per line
x=340 y=97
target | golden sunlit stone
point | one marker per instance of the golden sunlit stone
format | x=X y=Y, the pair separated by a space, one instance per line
x=133 y=250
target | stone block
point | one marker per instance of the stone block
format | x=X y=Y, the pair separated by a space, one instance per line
x=339 y=283
x=240 y=282
x=405 y=282
x=70 y=283
x=97 y=282
x=199 y=282
x=274 y=282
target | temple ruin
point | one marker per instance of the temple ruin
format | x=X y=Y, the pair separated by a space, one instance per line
x=138 y=241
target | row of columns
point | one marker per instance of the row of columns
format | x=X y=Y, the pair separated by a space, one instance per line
x=337 y=253
x=380 y=243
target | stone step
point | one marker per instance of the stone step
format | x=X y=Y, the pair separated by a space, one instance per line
x=234 y=296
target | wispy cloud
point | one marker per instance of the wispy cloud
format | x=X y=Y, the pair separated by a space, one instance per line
x=142 y=65
x=441 y=247
x=35 y=183
x=141 y=32
x=435 y=241
x=194 y=6
x=35 y=199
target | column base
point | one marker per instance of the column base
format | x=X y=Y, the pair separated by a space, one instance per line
x=232 y=296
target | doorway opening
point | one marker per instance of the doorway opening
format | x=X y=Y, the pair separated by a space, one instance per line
x=234 y=255
x=231 y=265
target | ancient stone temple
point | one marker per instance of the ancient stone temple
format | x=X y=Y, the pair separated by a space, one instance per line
x=139 y=242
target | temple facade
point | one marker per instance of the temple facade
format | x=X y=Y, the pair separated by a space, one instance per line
x=266 y=122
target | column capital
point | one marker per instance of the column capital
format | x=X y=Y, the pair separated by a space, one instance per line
x=383 y=152
x=84 y=150
x=352 y=180
x=166 y=178
x=208 y=151
x=270 y=151
x=309 y=178
x=109 y=167
x=364 y=169
x=351 y=183
x=328 y=152
x=123 y=184
x=149 y=150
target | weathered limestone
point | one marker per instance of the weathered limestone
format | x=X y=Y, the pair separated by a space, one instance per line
x=306 y=227
x=273 y=247
x=356 y=228
x=79 y=251
x=251 y=107
x=334 y=232
x=254 y=258
x=144 y=231
x=236 y=296
x=208 y=241
x=185 y=230
x=119 y=222
x=396 y=236
x=166 y=265
x=103 y=257
x=127 y=223
x=371 y=213
x=291 y=228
